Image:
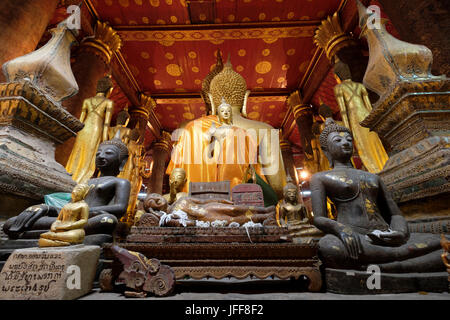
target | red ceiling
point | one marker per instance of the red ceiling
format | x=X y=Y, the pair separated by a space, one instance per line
x=167 y=55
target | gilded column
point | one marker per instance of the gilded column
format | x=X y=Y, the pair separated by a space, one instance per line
x=341 y=46
x=161 y=152
x=139 y=115
x=92 y=63
x=22 y=24
x=303 y=115
x=289 y=165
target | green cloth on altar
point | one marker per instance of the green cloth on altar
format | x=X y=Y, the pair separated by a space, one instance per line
x=57 y=200
x=270 y=197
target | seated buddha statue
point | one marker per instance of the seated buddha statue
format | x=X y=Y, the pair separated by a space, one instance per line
x=68 y=227
x=294 y=216
x=107 y=199
x=369 y=228
x=260 y=146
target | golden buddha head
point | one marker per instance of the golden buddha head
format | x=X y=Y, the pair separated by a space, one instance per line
x=230 y=85
x=224 y=112
x=105 y=85
x=290 y=192
x=80 y=191
x=177 y=178
x=336 y=142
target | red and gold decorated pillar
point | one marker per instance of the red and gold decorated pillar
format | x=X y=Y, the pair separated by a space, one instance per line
x=161 y=151
x=22 y=24
x=288 y=159
x=139 y=115
x=303 y=115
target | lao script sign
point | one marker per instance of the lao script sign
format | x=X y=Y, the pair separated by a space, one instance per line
x=50 y=273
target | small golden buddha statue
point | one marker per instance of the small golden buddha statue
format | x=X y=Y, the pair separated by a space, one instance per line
x=68 y=228
x=177 y=180
x=355 y=106
x=123 y=117
x=294 y=216
x=96 y=115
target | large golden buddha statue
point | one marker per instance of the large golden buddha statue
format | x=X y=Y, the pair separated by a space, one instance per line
x=247 y=141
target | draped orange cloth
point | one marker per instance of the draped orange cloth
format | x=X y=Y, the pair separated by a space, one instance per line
x=230 y=159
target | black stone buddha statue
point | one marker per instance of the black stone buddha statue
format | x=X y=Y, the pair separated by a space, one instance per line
x=369 y=228
x=107 y=199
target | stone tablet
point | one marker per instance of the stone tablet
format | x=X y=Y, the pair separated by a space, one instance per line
x=59 y=273
x=249 y=194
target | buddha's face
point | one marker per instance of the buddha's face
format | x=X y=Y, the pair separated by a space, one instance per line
x=79 y=192
x=340 y=145
x=107 y=156
x=178 y=178
x=225 y=112
x=290 y=195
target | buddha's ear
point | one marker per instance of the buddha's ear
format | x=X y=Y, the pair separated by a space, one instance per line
x=122 y=164
x=213 y=106
x=329 y=157
x=244 y=107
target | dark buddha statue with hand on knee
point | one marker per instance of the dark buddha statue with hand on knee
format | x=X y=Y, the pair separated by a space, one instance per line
x=107 y=199
x=369 y=228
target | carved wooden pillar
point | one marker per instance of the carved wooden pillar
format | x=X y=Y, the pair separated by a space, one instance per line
x=426 y=23
x=140 y=114
x=303 y=115
x=288 y=160
x=92 y=63
x=339 y=45
x=22 y=24
x=161 y=152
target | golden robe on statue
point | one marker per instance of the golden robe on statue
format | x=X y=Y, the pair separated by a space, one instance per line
x=96 y=114
x=355 y=106
x=232 y=154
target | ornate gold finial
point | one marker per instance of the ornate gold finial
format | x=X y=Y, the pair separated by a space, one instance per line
x=147 y=104
x=331 y=38
x=229 y=85
x=105 y=41
x=164 y=142
x=207 y=81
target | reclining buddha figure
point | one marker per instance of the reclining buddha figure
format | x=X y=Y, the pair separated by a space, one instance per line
x=245 y=142
x=369 y=228
x=107 y=199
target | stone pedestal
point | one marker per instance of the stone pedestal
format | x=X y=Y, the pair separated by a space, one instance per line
x=30 y=127
x=415 y=121
x=63 y=273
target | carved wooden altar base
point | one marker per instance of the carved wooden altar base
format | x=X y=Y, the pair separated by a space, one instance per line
x=238 y=260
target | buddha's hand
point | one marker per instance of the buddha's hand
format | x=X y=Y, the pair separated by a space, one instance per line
x=351 y=241
x=393 y=237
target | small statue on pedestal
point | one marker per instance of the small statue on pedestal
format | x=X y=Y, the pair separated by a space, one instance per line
x=68 y=227
x=294 y=216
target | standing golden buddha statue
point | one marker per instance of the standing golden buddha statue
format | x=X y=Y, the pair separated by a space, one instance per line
x=355 y=106
x=96 y=115
x=190 y=153
x=123 y=117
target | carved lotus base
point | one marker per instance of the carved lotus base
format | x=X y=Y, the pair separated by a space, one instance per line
x=30 y=126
